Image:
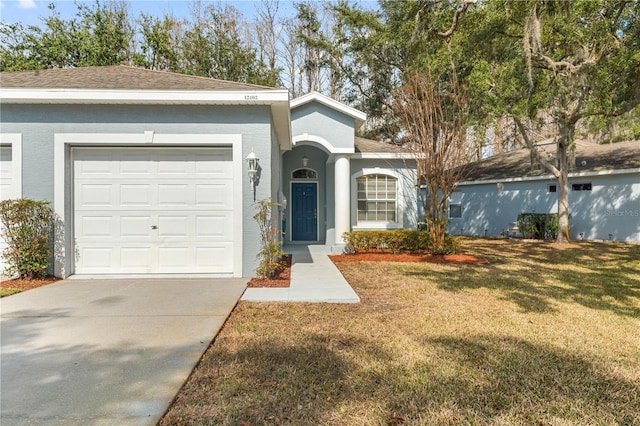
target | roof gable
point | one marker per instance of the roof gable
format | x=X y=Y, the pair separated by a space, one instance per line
x=358 y=116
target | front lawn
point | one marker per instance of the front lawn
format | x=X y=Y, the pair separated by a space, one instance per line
x=542 y=335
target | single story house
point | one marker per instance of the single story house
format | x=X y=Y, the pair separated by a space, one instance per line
x=148 y=171
x=604 y=193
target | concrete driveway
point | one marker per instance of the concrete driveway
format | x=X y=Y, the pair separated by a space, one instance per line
x=82 y=352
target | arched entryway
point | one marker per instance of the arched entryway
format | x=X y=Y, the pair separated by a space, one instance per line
x=304 y=175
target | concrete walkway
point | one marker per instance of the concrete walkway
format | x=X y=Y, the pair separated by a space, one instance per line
x=314 y=278
x=105 y=352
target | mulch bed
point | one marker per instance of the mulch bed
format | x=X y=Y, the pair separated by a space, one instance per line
x=283 y=279
x=459 y=259
x=24 y=284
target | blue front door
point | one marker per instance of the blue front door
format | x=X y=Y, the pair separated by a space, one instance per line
x=304 y=213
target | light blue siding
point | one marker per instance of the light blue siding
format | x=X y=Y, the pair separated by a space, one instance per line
x=611 y=207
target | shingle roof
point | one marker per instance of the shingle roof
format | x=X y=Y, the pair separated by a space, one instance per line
x=589 y=158
x=363 y=145
x=117 y=77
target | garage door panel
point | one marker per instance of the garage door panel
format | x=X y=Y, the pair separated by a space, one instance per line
x=175 y=226
x=213 y=257
x=173 y=259
x=153 y=210
x=178 y=164
x=135 y=195
x=96 y=259
x=136 y=260
x=96 y=227
x=170 y=195
x=215 y=195
x=215 y=227
x=95 y=195
x=138 y=227
x=209 y=165
x=137 y=164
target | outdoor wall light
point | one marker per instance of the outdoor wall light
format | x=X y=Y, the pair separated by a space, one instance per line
x=305 y=161
x=252 y=165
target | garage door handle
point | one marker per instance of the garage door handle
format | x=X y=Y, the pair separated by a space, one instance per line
x=154 y=227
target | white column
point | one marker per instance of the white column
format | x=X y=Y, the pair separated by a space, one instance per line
x=342 y=196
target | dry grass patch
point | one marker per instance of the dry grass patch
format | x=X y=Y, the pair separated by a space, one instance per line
x=542 y=335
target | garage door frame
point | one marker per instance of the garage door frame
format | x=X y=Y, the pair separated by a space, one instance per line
x=14 y=142
x=63 y=180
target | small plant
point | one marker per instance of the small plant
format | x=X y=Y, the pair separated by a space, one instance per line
x=542 y=226
x=26 y=228
x=271 y=255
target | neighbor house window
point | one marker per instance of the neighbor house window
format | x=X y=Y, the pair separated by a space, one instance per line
x=455 y=210
x=304 y=174
x=552 y=188
x=581 y=187
x=377 y=198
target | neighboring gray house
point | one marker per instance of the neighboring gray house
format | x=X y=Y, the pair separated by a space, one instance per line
x=148 y=172
x=604 y=193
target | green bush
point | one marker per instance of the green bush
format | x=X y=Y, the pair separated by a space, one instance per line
x=26 y=227
x=452 y=245
x=270 y=255
x=541 y=226
x=393 y=241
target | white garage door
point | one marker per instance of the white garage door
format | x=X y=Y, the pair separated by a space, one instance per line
x=8 y=188
x=153 y=210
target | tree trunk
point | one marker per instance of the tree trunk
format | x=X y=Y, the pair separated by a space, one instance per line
x=563 y=145
x=563 y=206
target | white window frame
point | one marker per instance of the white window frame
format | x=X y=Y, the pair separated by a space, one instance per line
x=360 y=224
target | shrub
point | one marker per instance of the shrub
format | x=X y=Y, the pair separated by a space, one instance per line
x=271 y=256
x=393 y=241
x=541 y=226
x=27 y=226
x=451 y=245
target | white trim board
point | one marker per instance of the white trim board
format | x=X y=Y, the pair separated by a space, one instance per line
x=63 y=179
x=215 y=97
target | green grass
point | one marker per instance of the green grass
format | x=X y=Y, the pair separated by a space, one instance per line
x=8 y=291
x=542 y=335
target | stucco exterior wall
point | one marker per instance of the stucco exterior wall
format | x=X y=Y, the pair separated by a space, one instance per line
x=318 y=120
x=39 y=123
x=611 y=207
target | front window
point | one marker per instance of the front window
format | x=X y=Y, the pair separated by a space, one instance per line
x=581 y=186
x=455 y=210
x=377 y=198
x=304 y=174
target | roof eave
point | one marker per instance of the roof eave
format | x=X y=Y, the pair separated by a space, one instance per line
x=91 y=96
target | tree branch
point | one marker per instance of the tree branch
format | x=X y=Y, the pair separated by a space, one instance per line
x=527 y=140
x=456 y=18
x=633 y=102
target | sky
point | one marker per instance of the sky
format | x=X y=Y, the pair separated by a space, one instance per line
x=29 y=12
